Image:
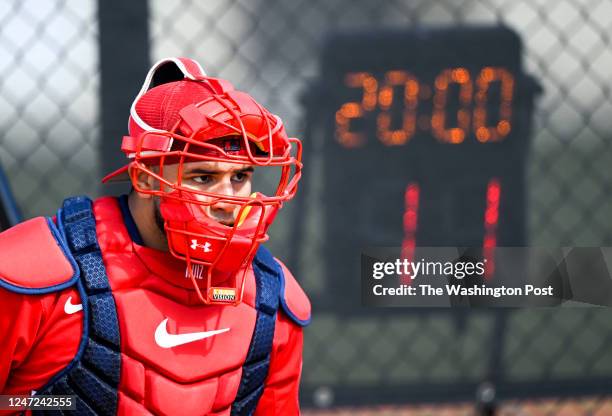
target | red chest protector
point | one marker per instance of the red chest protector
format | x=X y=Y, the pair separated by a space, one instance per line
x=148 y=346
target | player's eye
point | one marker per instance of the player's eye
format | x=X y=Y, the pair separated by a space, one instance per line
x=203 y=179
x=240 y=177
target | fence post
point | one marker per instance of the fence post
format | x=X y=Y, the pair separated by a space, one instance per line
x=9 y=211
x=124 y=60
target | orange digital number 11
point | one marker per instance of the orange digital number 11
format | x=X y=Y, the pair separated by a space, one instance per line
x=491 y=221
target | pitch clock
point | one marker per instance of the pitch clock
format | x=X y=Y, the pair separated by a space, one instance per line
x=425 y=137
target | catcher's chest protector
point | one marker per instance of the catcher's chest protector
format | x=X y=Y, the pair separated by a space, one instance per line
x=144 y=352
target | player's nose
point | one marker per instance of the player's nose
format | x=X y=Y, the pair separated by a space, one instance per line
x=223 y=213
x=223 y=186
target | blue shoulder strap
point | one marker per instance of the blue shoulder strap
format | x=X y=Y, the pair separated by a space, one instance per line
x=93 y=375
x=255 y=369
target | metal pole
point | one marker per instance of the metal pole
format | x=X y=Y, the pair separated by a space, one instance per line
x=9 y=211
x=124 y=60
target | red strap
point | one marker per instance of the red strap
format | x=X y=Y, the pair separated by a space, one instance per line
x=193 y=120
x=220 y=86
x=245 y=102
x=150 y=141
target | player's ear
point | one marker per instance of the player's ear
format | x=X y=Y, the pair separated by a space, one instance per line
x=142 y=181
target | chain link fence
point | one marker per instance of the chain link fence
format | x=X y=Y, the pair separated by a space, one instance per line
x=49 y=118
x=48 y=101
x=590 y=406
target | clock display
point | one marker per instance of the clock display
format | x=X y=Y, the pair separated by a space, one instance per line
x=425 y=137
x=400 y=90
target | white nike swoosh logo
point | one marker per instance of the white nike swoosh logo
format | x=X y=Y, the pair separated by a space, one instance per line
x=166 y=340
x=71 y=308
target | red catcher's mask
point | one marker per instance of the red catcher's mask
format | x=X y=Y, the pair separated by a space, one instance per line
x=180 y=116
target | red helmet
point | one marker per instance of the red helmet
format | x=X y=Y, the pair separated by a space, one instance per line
x=181 y=115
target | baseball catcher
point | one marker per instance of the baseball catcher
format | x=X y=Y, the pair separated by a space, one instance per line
x=164 y=301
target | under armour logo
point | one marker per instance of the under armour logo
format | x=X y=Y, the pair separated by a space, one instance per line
x=205 y=246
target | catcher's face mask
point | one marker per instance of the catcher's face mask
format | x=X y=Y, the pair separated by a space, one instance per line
x=196 y=123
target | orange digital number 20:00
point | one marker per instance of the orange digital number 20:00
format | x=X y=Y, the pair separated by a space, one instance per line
x=379 y=96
